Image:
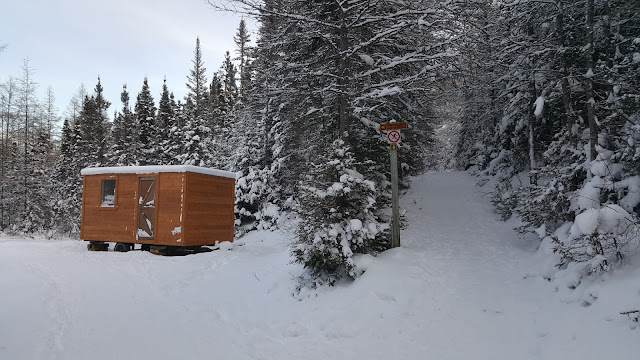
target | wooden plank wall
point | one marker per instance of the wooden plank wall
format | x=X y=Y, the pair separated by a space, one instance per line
x=168 y=208
x=109 y=224
x=209 y=209
x=192 y=209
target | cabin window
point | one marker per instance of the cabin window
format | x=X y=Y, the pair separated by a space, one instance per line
x=108 y=198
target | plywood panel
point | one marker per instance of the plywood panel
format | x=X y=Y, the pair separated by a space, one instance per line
x=169 y=208
x=104 y=223
x=209 y=209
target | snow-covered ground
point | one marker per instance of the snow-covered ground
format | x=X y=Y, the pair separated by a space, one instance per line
x=456 y=289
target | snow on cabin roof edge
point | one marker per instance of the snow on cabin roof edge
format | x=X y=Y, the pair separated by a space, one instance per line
x=154 y=169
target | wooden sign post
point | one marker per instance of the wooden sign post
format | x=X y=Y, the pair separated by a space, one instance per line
x=393 y=136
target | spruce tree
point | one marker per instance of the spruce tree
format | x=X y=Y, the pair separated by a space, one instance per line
x=195 y=146
x=165 y=121
x=173 y=146
x=228 y=74
x=242 y=40
x=91 y=133
x=196 y=142
x=146 y=144
x=38 y=213
x=252 y=209
x=64 y=179
x=123 y=134
x=218 y=109
x=102 y=122
x=197 y=98
x=338 y=216
x=12 y=192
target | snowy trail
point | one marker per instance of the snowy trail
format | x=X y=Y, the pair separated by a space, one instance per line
x=475 y=266
x=454 y=290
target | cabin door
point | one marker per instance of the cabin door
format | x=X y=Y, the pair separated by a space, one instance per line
x=146 y=207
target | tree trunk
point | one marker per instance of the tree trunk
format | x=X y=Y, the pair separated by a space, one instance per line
x=5 y=148
x=26 y=148
x=564 y=82
x=268 y=155
x=342 y=80
x=530 y=114
x=532 y=123
x=593 y=126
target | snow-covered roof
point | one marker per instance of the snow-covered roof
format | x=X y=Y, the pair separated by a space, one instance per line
x=154 y=169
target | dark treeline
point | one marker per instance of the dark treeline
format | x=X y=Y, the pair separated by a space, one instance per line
x=548 y=88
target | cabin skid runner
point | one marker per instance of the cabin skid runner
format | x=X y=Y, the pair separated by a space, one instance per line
x=165 y=209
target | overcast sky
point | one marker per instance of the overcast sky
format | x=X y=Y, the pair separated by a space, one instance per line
x=69 y=42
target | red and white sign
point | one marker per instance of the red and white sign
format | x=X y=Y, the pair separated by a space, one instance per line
x=393 y=136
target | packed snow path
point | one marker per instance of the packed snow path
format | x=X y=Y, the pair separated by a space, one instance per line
x=455 y=290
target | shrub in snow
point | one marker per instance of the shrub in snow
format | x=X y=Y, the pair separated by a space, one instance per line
x=547 y=201
x=604 y=229
x=599 y=237
x=503 y=199
x=337 y=217
x=602 y=226
x=252 y=211
x=547 y=204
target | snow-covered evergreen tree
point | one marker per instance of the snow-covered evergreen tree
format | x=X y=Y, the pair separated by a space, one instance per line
x=38 y=214
x=146 y=143
x=228 y=74
x=165 y=122
x=242 y=40
x=197 y=96
x=171 y=148
x=339 y=216
x=66 y=213
x=253 y=210
x=123 y=134
x=196 y=146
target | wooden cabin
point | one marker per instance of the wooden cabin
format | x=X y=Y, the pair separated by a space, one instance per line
x=169 y=205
